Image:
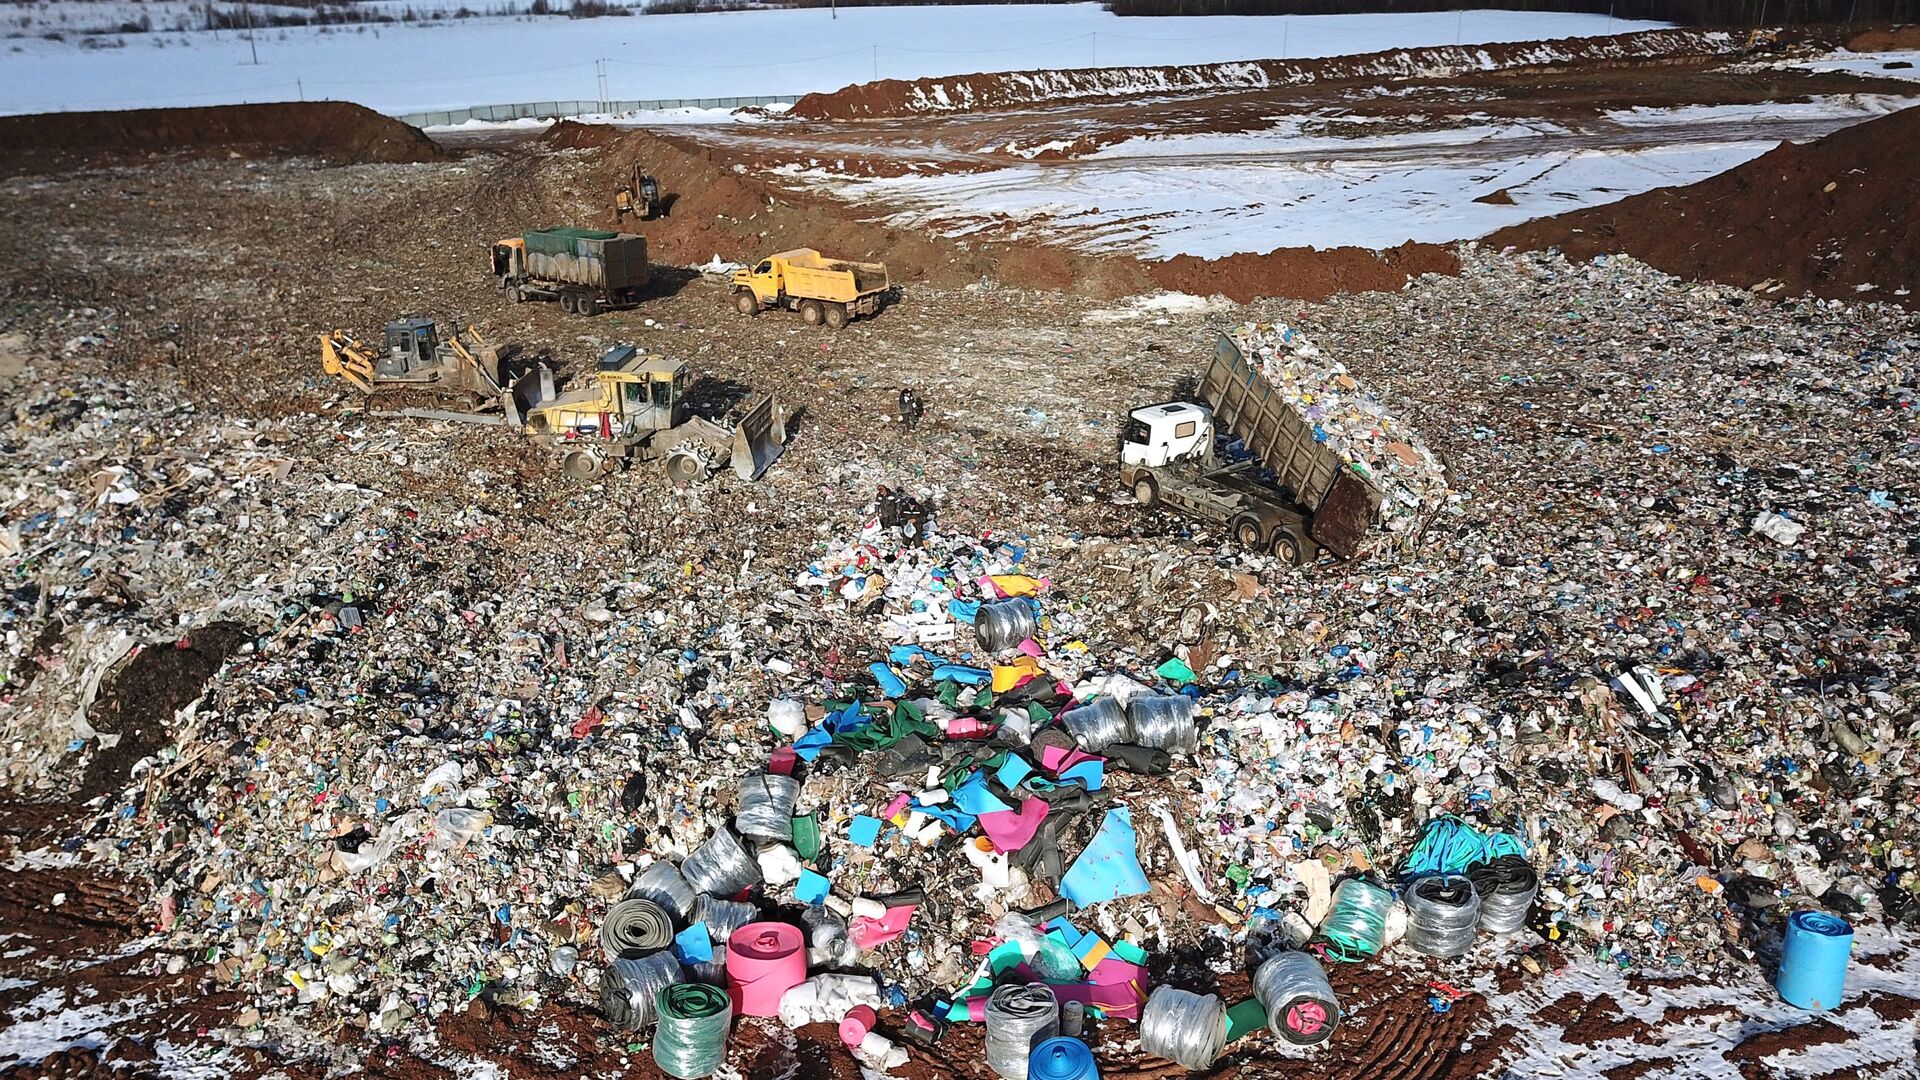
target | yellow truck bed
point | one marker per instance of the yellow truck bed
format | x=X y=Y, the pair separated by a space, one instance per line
x=809 y=274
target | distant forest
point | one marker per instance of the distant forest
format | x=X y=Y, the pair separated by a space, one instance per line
x=1683 y=12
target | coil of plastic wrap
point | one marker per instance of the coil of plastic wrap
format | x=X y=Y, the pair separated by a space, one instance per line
x=1507 y=886
x=1187 y=1029
x=1356 y=924
x=1003 y=624
x=1443 y=912
x=1062 y=1058
x=1300 y=1005
x=663 y=884
x=633 y=928
x=690 y=1038
x=766 y=807
x=1163 y=722
x=723 y=917
x=630 y=989
x=721 y=866
x=1097 y=724
x=1018 y=1019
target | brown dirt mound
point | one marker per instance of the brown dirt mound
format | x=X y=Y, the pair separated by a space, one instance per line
x=998 y=90
x=1885 y=39
x=1822 y=217
x=1303 y=273
x=574 y=135
x=336 y=131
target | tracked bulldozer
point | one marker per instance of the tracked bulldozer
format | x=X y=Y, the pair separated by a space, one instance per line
x=635 y=410
x=417 y=356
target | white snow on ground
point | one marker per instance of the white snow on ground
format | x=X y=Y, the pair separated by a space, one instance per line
x=1219 y=194
x=1873 y=64
x=1697 y=1044
x=49 y=1023
x=457 y=63
x=631 y=118
x=1158 y=305
x=1842 y=105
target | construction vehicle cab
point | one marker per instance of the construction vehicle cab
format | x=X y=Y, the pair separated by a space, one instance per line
x=639 y=196
x=412 y=344
x=635 y=409
x=1160 y=435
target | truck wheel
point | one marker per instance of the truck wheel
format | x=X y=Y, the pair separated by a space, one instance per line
x=1247 y=531
x=1146 y=492
x=810 y=313
x=837 y=316
x=582 y=464
x=519 y=295
x=566 y=303
x=745 y=303
x=684 y=469
x=587 y=305
x=1286 y=548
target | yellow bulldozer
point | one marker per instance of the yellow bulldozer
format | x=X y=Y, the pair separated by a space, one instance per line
x=416 y=355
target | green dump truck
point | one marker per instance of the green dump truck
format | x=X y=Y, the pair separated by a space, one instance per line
x=587 y=270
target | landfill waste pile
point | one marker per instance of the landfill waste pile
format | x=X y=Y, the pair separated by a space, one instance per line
x=1355 y=423
x=1038 y=768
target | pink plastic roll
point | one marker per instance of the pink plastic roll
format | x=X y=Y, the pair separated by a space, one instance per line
x=859 y=1020
x=764 y=961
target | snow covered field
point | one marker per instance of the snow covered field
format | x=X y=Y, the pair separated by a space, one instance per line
x=1219 y=194
x=407 y=68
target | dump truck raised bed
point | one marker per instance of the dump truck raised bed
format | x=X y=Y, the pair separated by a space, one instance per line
x=586 y=270
x=831 y=292
x=1291 y=496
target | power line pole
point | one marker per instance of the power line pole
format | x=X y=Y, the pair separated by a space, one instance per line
x=247 y=11
x=876 y=62
x=1096 y=48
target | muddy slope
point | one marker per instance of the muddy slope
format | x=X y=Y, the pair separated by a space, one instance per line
x=1825 y=217
x=335 y=131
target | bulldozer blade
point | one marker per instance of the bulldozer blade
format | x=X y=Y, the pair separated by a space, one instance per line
x=531 y=390
x=760 y=438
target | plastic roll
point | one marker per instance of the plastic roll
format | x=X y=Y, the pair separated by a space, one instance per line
x=1507 y=886
x=711 y=972
x=1187 y=1029
x=633 y=928
x=723 y=917
x=630 y=989
x=663 y=884
x=1096 y=725
x=1813 y=960
x=1002 y=624
x=690 y=1040
x=1356 y=924
x=1018 y=1019
x=721 y=867
x=1443 y=912
x=1163 y=722
x=1062 y=1058
x=1293 y=989
x=764 y=961
x=857 y=1024
x=766 y=807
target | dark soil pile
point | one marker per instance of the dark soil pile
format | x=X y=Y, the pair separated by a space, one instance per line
x=334 y=131
x=1823 y=217
x=1304 y=273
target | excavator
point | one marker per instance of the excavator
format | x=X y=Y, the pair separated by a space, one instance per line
x=417 y=356
x=639 y=195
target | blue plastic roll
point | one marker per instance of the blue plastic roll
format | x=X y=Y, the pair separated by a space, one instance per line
x=1813 y=960
x=1062 y=1058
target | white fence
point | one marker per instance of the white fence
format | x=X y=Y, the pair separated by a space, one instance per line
x=555 y=110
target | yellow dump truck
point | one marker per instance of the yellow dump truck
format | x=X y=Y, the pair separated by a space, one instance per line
x=822 y=290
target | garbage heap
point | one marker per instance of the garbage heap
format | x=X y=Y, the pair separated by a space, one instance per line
x=1354 y=422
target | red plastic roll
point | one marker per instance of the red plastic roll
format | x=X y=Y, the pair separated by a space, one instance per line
x=764 y=961
x=859 y=1020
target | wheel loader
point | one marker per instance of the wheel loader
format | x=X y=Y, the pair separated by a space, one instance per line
x=635 y=410
x=417 y=356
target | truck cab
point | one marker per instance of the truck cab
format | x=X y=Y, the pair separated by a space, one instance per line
x=631 y=395
x=509 y=260
x=1160 y=435
x=763 y=280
